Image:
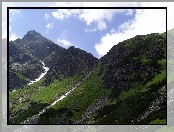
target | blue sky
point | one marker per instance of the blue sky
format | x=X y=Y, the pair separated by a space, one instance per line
x=95 y=31
x=65 y=32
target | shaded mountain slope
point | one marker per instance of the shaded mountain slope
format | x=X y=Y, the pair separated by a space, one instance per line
x=23 y=66
x=70 y=62
x=136 y=60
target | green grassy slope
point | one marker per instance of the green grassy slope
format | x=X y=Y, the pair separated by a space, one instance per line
x=27 y=101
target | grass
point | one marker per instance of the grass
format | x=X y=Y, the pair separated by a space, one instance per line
x=162 y=63
x=141 y=88
x=55 y=89
x=37 y=94
x=82 y=97
x=126 y=94
x=78 y=100
x=158 y=121
x=158 y=78
x=144 y=60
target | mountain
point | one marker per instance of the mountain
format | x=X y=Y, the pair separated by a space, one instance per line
x=25 y=55
x=135 y=60
x=126 y=86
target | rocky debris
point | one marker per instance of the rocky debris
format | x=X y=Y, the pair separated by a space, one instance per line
x=70 y=62
x=31 y=120
x=154 y=105
x=15 y=66
x=95 y=106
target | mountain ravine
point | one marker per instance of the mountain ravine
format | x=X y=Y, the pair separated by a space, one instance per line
x=125 y=86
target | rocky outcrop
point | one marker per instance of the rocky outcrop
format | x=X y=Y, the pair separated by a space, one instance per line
x=98 y=103
x=70 y=62
x=154 y=106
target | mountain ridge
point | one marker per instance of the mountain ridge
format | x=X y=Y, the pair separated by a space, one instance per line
x=33 y=46
x=132 y=72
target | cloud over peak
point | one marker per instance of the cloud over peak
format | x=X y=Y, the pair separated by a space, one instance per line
x=145 y=21
x=64 y=42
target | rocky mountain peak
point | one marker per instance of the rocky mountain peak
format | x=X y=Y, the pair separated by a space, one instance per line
x=32 y=35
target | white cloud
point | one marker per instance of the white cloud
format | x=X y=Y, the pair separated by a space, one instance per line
x=49 y=26
x=91 y=30
x=145 y=22
x=129 y=12
x=46 y=16
x=98 y=16
x=65 y=13
x=90 y=16
x=108 y=41
x=13 y=37
x=64 y=42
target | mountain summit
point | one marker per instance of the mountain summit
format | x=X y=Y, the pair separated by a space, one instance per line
x=32 y=35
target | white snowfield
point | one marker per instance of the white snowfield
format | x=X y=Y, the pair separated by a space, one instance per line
x=42 y=75
x=62 y=97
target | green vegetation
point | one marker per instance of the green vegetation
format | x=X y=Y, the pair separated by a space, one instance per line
x=138 y=87
x=162 y=63
x=144 y=60
x=121 y=88
x=158 y=121
x=158 y=78
x=35 y=97
x=123 y=111
x=77 y=101
x=56 y=89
